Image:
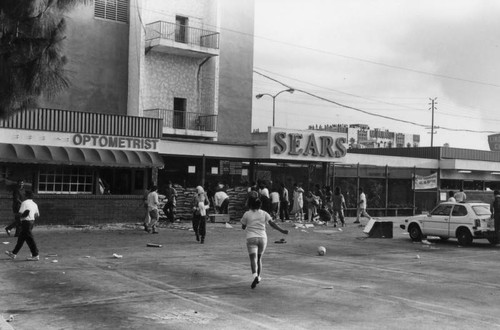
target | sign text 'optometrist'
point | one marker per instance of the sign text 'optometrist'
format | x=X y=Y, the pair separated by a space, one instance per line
x=106 y=141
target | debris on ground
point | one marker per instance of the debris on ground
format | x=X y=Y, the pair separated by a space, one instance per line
x=153 y=245
x=117 y=256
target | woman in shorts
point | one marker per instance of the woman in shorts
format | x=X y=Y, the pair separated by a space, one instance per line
x=254 y=222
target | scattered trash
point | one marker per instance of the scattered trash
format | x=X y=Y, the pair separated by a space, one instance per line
x=87 y=256
x=10 y=319
x=424 y=241
x=117 y=256
x=305 y=231
x=228 y=225
x=5 y=242
x=153 y=245
x=281 y=241
x=309 y=225
x=340 y=229
x=51 y=255
x=321 y=250
x=54 y=261
x=417 y=257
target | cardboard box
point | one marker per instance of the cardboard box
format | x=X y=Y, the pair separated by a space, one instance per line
x=218 y=218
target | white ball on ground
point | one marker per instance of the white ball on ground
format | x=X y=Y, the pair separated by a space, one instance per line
x=321 y=250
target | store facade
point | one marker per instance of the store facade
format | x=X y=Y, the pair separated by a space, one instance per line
x=82 y=167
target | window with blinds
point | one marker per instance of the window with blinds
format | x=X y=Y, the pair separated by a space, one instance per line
x=114 y=10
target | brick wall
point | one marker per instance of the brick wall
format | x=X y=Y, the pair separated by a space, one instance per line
x=80 y=210
x=92 y=209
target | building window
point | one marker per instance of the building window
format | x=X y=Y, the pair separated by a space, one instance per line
x=181 y=25
x=180 y=106
x=113 y=10
x=66 y=180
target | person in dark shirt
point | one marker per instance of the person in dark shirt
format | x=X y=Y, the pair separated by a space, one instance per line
x=18 y=196
x=495 y=211
x=171 y=198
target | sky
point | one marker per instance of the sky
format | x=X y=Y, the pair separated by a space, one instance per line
x=381 y=62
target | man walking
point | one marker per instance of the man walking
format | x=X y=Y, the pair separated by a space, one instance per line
x=284 y=203
x=153 y=203
x=362 y=204
x=28 y=212
x=495 y=211
x=18 y=196
x=338 y=207
x=171 y=197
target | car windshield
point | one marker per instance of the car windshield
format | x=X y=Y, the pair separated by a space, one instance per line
x=481 y=209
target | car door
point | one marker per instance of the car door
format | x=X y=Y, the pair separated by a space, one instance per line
x=459 y=216
x=437 y=223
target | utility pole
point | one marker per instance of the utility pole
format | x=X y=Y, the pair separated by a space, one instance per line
x=433 y=103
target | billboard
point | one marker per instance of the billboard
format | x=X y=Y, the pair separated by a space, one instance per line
x=494 y=142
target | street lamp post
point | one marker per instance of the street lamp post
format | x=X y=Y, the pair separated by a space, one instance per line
x=258 y=96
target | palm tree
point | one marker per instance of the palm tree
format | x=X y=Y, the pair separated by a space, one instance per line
x=31 y=55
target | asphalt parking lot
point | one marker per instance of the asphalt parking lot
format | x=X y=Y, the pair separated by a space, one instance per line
x=108 y=278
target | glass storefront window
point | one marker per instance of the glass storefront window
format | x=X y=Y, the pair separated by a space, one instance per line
x=65 y=181
x=451 y=184
x=400 y=193
x=374 y=190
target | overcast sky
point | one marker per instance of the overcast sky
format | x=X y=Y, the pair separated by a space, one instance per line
x=384 y=57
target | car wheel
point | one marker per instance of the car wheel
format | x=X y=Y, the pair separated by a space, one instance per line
x=415 y=233
x=464 y=237
x=493 y=240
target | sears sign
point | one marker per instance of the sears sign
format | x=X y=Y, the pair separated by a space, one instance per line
x=322 y=146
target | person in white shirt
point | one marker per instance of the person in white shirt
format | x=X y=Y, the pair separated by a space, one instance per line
x=28 y=213
x=221 y=201
x=362 y=206
x=460 y=196
x=275 y=203
x=153 y=203
x=254 y=223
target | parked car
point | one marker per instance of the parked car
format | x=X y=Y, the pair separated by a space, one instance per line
x=464 y=221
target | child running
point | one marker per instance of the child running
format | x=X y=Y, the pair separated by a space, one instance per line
x=254 y=222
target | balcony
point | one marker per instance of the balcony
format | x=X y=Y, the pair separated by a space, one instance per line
x=181 y=40
x=195 y=124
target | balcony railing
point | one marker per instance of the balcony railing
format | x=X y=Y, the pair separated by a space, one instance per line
x=65 y=121
x=182 y=34
x=184 y=120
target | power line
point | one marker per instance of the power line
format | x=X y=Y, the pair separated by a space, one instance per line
x=367 y=112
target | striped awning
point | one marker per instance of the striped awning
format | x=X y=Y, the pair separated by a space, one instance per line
x=36 y=154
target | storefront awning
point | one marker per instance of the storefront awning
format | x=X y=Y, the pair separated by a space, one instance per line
x=35 y=154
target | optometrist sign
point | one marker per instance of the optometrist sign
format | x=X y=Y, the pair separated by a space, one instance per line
x=322 y=146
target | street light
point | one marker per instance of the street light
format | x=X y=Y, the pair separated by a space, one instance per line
x=258 y=96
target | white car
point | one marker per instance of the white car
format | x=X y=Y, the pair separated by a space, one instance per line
x=464 y=221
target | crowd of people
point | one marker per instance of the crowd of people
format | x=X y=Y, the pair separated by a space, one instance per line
x=318 y=204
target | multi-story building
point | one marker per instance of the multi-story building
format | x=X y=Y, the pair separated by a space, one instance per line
x=149 y=81
x=361 y=136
